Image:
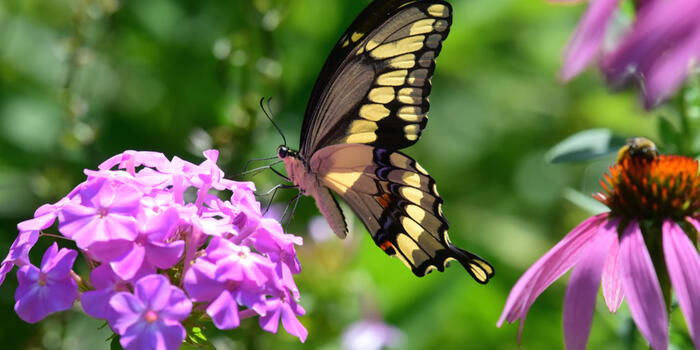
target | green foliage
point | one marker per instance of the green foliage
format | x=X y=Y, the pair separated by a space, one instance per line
x=85 y=79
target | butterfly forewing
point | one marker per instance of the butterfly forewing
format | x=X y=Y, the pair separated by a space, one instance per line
x=398 y=202
x=377 y=93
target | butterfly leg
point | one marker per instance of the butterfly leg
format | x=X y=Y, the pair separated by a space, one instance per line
x=274 y=193
x=294 y=209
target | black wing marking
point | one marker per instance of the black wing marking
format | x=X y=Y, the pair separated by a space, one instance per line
x=398 y=202
x=374 y=87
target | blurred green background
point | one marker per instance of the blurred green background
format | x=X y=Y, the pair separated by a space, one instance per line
x=81 y=80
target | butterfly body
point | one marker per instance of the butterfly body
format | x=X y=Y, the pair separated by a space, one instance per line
x=370 y=101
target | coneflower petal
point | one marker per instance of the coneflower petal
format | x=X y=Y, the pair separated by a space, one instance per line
x=642 y=289
x=612 y=287
x=547 y=269
x=683 y=263
x=586 y=42
x=582 y=291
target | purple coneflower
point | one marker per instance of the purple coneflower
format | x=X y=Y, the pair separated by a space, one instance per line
x=660 y=49
x=639 y=249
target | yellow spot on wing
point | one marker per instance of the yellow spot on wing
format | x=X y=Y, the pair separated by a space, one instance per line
x=486 y=267
x=408 y=247
x=365 y=137
x=342 y=180
x=371 y=44
x=374 y=112
x=478 y=273
x=411 y=131
x=398 y=47
x=438 y=10
x=362 y=126
x=423 y=26
x=392 y=78
x=415 y=212
x=410 y=114
x=356 y=36
x=421 y=170
x=411 y=179
x=411 y=194
x=404 y=61
x=381 y=94
x=410 y=95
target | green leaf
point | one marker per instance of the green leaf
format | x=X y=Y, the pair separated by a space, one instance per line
x=585 y=145
x=114 y=344
x=585 y=202
x=196 y=339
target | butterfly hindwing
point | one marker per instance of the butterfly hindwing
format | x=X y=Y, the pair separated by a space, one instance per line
x=375 y=85
x=398 y=202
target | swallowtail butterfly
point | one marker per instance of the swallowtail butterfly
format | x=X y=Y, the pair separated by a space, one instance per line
x=370 y=101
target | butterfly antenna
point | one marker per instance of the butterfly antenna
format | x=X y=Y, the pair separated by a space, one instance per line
x=258 y=169
x=247 y=163
x=269 y=117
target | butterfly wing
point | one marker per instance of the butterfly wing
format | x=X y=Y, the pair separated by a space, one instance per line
x=398 y=203
x=374 y=87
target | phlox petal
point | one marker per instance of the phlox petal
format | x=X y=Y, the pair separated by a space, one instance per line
x=224 y=311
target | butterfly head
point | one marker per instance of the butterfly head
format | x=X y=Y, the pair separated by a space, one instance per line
x=284 y=152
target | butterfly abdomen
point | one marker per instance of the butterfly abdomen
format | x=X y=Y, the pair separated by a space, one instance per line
x=310 y=185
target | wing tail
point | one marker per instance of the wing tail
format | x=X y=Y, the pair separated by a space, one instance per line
x=479 y=268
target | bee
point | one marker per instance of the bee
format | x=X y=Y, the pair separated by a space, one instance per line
x=637 y=148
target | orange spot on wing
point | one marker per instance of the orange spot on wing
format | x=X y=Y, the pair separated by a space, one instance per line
x=386 y=245
x=384 y=200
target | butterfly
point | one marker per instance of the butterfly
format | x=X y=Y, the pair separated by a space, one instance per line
x=370 y=101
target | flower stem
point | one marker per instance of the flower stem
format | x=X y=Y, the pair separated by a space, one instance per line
x=654 y=242
x=690 y=116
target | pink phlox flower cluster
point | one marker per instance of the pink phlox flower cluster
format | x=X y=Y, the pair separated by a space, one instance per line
x=141 y=219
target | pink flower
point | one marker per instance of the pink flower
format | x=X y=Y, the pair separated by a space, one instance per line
x=660 y=49
x=48 y=289
x=150 y=226
x=150 y=318
x=586 y=42
x=648 y=196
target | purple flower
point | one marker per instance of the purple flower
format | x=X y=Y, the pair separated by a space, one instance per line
x=49 y=289
x=107 y=283
x=661 y=49
x=150 y=318
x=103 y=219
x=148 y=216
x=286 y=309
x=29 y=231
x=586 y=42
x=151 y=248
x=371 y=334
x=610 y=249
